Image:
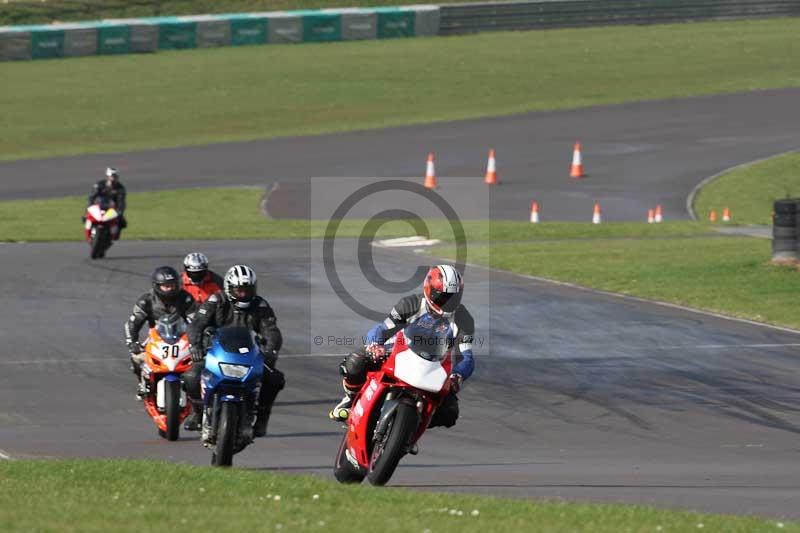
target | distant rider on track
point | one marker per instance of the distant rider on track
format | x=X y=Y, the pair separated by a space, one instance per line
x=113 y=192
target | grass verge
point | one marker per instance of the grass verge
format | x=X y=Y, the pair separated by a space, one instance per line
x=194 y=214
x=229 y=94
x=751 y=190
x=130 y=496
x=728 y=275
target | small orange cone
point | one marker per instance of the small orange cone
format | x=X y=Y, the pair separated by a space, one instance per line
x=430 y=173
x=534 y=213
x=650 y=216
x=726 y=215
x=491 y=170
x=596 y=216
x=659 y=216
x=577 y=162
x=712 y=216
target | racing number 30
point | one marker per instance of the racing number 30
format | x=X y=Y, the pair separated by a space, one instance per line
x=175 y=350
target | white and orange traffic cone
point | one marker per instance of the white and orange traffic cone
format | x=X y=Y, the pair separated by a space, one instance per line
x=596 y=216
x=651 y=218
x=430 y=173
x=726 y=215
x=659 y=217
x=576 y=171
x=491 y=169
x=535 y=213
x=712 y=216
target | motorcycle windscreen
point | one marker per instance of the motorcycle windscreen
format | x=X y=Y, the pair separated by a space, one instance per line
x=236 y=339
x=429 y=337
x=418 y=372
x=171 y=328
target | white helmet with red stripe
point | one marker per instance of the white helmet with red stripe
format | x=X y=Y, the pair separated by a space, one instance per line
x=443 y=288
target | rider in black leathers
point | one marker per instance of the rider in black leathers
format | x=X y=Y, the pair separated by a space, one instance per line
x=164 y=298
x=237 y=305
x=112 y=190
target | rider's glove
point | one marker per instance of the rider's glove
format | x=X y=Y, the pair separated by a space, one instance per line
x=376 y=352
x=455 y=382
x=270 y=358
x=197 y=353
x=135 y=347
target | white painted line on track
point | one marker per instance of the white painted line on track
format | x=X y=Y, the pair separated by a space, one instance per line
x=5 y=457
x=696 y=190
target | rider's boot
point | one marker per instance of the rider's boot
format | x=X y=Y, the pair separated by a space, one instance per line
x=195 y=420
x=341 y=411
x=260 y=425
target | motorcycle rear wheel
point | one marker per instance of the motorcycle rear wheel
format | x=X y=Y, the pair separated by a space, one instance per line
x=386 y=454
x=226 y=435
x=172 y=405
x=343 y=470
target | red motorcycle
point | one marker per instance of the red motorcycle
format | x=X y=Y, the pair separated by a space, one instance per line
x=101 y=227
x=396 y=403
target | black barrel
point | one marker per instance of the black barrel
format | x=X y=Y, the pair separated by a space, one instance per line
x=784 y=230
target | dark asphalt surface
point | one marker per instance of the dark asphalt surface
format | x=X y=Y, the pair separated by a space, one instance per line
x=577 y=395
x=637 y=155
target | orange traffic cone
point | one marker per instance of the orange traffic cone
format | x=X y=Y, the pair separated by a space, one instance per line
x=650 y=216
x=577 y=163
x=596 y=217
x=534 y=213
x=659 y=216
x=712 y=216
x=726 y=215
x=491 y=170
x=430 y=173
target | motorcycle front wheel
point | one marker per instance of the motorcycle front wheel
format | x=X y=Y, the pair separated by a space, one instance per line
x=172 y=405
x=99 y=242
x=226 y=435
x=387 y=453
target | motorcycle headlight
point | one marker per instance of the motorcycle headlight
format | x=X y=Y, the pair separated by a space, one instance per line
x=234 y=371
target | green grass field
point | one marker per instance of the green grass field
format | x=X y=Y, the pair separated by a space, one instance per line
x=728 y=275
x=751 y=190
x=193 y=214
x=102 y=104
x=141 y=496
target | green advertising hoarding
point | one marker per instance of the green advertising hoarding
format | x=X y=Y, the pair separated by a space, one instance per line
x=113 y=39
x=395 y=23
x=248 y=30
x=321 y=27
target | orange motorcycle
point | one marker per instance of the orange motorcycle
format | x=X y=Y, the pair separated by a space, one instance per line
x=166 y=359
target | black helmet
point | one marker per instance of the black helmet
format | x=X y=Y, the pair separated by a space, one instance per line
x=166 y=282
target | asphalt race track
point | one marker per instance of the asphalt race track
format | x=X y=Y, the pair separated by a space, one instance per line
x=637 y=155
x=577 y=395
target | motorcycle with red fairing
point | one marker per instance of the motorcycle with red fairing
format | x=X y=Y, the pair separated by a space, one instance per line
x=394 y=407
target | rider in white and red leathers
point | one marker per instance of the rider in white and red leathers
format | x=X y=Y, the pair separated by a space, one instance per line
x=441 y=298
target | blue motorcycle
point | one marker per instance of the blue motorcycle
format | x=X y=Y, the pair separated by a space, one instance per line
x=231 y=382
